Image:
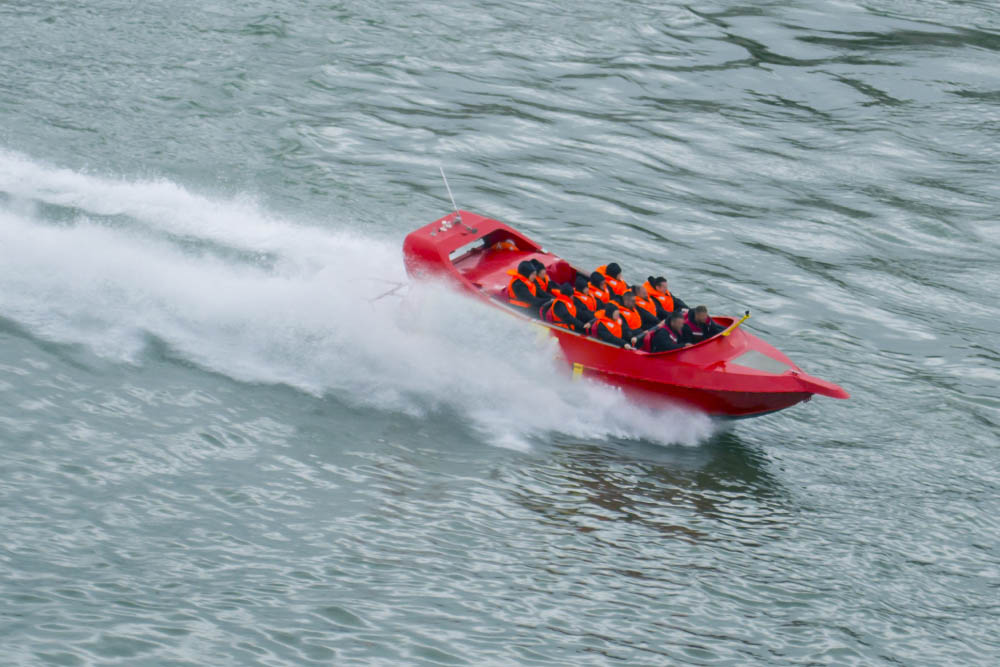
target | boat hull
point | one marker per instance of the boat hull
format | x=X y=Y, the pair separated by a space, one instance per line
x=718 y=403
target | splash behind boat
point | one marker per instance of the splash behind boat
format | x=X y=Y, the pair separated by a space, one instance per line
x=734 y=374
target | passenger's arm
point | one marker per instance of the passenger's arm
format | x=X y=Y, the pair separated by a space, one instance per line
x=666 y=343
x=627 y=333
x=608 y=337
x=562 y=312
x=583 y=313
x=522 y=293
x=648 y=319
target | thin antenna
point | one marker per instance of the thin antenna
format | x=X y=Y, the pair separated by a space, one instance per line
x=458 y=216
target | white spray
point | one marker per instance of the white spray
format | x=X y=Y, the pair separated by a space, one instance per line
x=237 y=291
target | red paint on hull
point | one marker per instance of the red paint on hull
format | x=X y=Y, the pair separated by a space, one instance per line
x=738 y=375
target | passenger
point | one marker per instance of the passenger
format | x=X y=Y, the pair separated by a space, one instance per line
x=522 y=292
x=638 y=319
x=612 y=273
x=541 y=278
x=609 y=327
x=662 y=339
x=699 y=324
x=561 y=311
x=598 y=289
x=648 y=303
x=657 y=288
x=585 y=302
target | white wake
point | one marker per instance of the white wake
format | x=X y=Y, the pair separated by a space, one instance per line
x=265 y=300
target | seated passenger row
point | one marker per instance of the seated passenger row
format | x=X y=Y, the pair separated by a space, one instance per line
x=646 y=317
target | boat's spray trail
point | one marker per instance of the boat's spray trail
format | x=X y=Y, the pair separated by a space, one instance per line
x=300 y=318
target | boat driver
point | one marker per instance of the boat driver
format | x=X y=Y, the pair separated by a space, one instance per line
x=699 y=325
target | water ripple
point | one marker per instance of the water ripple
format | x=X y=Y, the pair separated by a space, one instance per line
x=832 y=168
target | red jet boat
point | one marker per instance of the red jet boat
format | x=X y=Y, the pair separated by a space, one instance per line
x=733 y=374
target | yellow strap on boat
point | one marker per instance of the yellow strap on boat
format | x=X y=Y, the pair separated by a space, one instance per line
x=732 y=327
x=577 y=371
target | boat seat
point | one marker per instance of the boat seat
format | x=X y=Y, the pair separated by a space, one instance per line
x=561 y=272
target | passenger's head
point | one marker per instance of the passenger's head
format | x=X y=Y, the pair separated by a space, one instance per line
x=526 y=269
x=613 y=270
x=565 y=289
x=611 y=311
x=597 y=280
x=659 y=283
x=676 y=321
x=581 y=282
x=539 y=268
x=628 y=299
x=700 y=314
x=640 y=291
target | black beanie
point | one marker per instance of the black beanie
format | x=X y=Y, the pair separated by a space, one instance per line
x=538 y=265
x=581 y=282
x=613 y=270
x=610 y=308
x=596 y=279
x=525 y=268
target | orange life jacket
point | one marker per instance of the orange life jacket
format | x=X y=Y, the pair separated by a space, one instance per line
x=511 y=296
x=666 y=299
x=550 y=310
x=504 y=245
x=646 y=304
x=611 y=325
x=601 y=295
x=632 y=318
x=543 y=283
x=614 y=284
x=588 y=300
